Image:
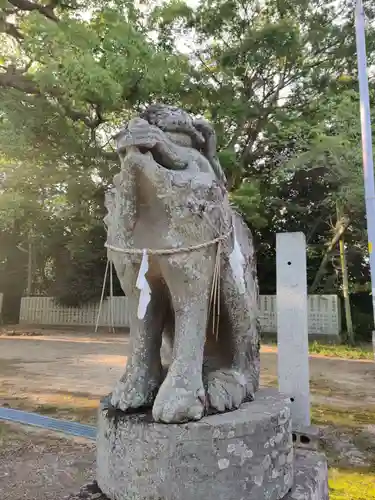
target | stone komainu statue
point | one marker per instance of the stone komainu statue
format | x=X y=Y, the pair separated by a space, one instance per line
x=185 y=260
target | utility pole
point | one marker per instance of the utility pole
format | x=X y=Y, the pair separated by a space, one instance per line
x=368 y=162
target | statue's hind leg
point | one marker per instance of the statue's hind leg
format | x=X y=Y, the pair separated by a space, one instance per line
x=237 y=380
x=143 y=374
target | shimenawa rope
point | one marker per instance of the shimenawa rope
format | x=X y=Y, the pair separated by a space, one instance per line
x=168 y=251
x=215 y=288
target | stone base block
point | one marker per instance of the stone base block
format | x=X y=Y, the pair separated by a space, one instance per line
x=242 y=455
x=310 y=481
x=311 y=477
x=306 y=437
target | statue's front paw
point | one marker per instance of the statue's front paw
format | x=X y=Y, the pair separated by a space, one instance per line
x=227 y=389
x=136 y=389
x=179 y=400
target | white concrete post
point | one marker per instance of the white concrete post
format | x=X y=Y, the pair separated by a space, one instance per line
x=292 y=330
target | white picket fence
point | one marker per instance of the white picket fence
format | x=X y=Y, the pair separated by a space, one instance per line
x=46 y=311
x=324 y=313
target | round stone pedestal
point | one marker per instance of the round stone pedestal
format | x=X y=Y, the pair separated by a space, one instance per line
x=245 y=454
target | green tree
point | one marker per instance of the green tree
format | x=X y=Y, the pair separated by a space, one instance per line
x=262 y=70
x=70 y=73
x=334 y=147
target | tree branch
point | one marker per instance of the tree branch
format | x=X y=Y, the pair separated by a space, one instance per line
x=207 y=68
x=16 y=79
x=10 y=29
x=12 y=78
x=109 y=155
x=76 y=115
x=45 y=10
x=235 y=136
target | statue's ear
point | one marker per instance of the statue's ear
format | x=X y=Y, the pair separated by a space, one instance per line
x=204 y=127
x=207 y=130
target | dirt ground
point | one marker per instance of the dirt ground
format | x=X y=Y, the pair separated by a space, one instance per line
x=38 y=465
x=69 y=368
x=65 y=372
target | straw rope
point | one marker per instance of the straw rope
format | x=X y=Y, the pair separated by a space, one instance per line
x=169 y=251
x=215 y=287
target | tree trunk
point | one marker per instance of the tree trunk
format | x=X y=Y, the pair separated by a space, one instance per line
x=13 y=277
x=341 y=226
x=345 y=286
x=30 y=269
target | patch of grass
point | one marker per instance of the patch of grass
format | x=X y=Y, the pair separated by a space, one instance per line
x=345 y=437
x=321 y=386
x=9 y=435
x=85 y=415
x=340 y=417
x=341 y=351
x=5 y=435
x=324 y=387
x=47 y=409
x=332 y=349
x=344 y=433
x=3 y=431
x=351 y=484
x=66 y=406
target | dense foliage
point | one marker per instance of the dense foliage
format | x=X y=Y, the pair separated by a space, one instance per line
x=277 y=78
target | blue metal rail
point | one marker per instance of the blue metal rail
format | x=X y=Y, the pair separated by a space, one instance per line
x=53 y=424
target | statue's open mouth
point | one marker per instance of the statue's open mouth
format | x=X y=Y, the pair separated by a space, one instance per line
x=138 y=150
x=153 y=143
x=125 y=143
x=173 y=148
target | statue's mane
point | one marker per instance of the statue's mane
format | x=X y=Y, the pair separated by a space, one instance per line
x=176 y=120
